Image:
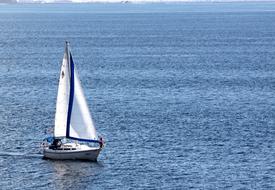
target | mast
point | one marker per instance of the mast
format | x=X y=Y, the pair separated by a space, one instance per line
x=67 y=54
x=63 y=96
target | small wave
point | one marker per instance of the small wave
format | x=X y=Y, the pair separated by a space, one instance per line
x=20 y=154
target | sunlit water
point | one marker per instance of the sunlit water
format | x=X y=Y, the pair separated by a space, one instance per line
x=184 y=94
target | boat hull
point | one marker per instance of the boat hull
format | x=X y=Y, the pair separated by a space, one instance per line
x=90 y=154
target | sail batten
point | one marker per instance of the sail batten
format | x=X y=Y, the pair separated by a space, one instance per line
x=73 y=118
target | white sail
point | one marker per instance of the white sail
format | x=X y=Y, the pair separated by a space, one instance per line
x=62 y=99
x=81 y=125
x=73 y=119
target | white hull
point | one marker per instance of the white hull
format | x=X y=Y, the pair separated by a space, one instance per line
x=88 y=153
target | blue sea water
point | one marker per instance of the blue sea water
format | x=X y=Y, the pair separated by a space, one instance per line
x=183 y=94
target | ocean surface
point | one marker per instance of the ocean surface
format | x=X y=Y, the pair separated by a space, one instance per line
x=184 y=94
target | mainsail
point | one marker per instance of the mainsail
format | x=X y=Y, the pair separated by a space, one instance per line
x=72 y=119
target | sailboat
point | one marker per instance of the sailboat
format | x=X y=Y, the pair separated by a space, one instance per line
x=73 y=121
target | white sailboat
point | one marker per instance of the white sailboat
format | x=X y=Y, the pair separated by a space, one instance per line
x=73 y=120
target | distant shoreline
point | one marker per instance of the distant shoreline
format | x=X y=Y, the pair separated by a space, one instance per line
x=132 y=2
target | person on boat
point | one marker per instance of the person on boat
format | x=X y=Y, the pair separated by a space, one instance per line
x=101 y=142
x=56 y=144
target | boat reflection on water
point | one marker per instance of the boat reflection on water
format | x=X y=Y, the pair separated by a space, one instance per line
x=74 y=174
